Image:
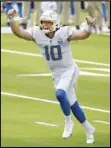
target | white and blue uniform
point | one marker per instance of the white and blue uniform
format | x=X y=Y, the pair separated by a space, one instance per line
x=58 y=56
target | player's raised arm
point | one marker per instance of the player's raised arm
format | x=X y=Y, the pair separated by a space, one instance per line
x=84 y=33
x=15 y=27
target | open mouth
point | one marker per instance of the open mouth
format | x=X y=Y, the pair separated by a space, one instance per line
x=45 y=28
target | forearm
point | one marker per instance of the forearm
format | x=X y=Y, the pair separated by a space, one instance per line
x=15 y=29
x=84 y=35
x=87 y=31
x=80 y=35
x=20 y=32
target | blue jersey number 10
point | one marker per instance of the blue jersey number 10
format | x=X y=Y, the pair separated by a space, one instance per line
x=53 y=52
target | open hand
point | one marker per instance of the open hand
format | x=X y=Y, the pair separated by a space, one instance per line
x=90 y=21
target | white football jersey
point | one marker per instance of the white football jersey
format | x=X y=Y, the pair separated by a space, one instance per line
x=56 y=51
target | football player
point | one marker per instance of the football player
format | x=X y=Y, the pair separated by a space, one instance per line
x=54 y=44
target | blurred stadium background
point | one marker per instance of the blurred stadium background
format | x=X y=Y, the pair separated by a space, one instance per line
x=30 y=115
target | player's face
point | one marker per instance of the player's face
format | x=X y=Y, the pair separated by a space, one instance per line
x=46 y=24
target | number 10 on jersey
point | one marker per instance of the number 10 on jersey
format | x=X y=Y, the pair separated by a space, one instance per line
x=53 y=52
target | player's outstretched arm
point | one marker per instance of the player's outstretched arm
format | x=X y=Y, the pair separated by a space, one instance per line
x=81 y=35
x=16 y=29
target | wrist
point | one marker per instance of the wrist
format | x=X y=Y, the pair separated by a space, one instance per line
x=88 y=28
x=12 y=19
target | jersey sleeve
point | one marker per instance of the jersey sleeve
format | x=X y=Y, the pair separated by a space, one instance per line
x=66 y=32
x=33 y=31
x=70 y=31
x=30 y=31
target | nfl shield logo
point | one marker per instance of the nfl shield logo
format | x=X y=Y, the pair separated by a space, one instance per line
x=60 y=41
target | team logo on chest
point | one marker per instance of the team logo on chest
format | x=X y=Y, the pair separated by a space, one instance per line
x=60 y=41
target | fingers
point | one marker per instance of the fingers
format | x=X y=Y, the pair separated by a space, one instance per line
x=90 y=20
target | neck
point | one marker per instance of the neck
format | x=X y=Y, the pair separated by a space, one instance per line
x=51 y=34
